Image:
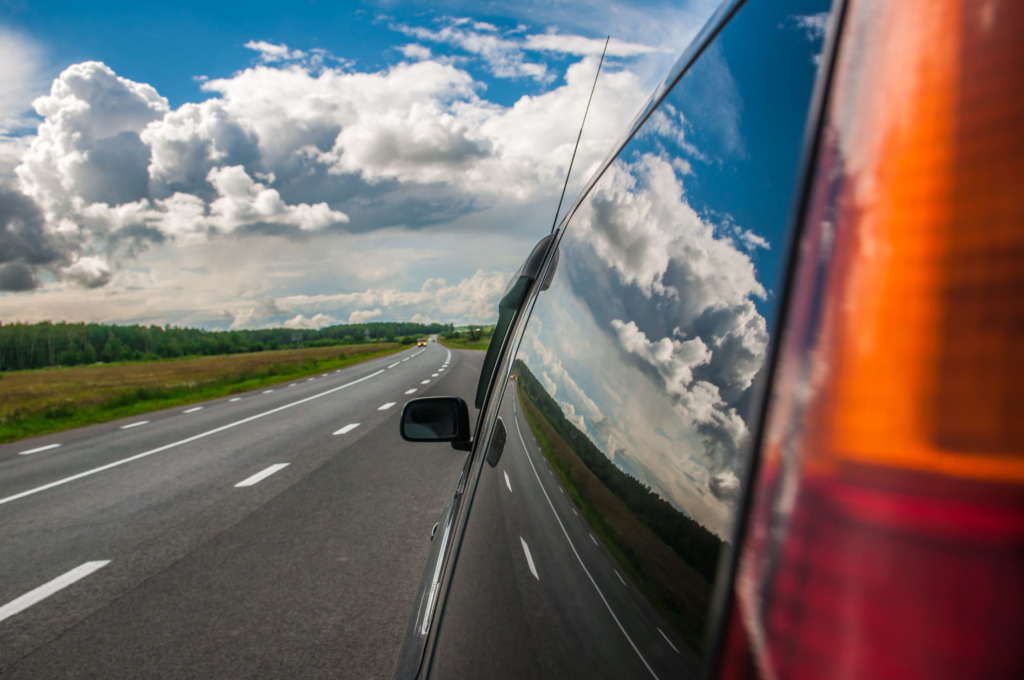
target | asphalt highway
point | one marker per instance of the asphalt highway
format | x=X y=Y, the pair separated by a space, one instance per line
x=277 y=533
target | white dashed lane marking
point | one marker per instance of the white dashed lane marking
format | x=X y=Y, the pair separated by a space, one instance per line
x=394 y=364
x=182 y=442
x=37 y=450
x=620 y=577
x=348 y=428
x=386 y=406
x=193 y=409
x=424 y=382
x=260 y=476
x=507 y=482
x=136 y=424
x=668 y=641
x=529 y=558
x=235 y=399
x=412 y=391
x=44 y=591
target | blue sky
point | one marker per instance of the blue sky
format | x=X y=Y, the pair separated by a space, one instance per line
x=243 y=165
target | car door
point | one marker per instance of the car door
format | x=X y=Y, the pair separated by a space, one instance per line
x=611 y=451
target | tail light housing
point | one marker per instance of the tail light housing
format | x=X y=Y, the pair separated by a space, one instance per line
x=886 y=530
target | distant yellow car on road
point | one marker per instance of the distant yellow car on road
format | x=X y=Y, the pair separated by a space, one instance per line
x=422 y=342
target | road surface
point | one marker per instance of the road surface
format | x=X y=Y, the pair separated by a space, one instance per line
x=277 y=533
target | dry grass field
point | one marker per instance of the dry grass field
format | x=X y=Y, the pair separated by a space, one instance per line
x=47 y=400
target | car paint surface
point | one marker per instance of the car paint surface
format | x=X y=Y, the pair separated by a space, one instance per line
x=589 y=546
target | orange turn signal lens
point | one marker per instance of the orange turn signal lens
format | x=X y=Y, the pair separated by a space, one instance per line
x=887 y=534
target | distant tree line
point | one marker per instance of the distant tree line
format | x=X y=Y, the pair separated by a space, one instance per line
x=25 y=346
x=689 y=539
x=471 y=333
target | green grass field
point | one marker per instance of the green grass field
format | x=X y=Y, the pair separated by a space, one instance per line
x=47 y=400
x=462 y=339
x=463 y=343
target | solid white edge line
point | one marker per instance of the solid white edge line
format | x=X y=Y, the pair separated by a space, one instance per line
x=386 y=406
x=193 y=409
x=135 y=424
x=579 y=559
x=529 y=558
x=37 y=450
x=348 y=428
x=187 y=440
x=260 y=476
x=667 y=640
x=44 y=591
x=507 y=482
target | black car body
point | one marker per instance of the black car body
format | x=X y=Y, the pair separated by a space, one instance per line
x=752 y=409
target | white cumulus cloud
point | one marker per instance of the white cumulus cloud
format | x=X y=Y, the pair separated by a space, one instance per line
x=674 y=359
x=269 y=52
x=88 y=272
x=577 y=44
x=243 y=201
x=300 y=147
x=364 y=315
x=318 y=321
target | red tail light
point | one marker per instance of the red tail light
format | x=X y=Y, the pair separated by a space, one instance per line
x=887 y=535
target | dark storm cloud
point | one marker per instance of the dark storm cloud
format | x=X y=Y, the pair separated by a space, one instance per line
x=24 y=244
x=116 y=170
x=16 y=277
x=378 y=205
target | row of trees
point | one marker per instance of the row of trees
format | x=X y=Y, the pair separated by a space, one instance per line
x=689 y=539
x=26 y=346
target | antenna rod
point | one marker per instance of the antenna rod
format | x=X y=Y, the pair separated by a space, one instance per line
x=587 y=110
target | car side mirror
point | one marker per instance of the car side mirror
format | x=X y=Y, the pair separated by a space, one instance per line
x=437 y=419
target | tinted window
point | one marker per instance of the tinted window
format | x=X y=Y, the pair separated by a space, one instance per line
x=591 y=548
